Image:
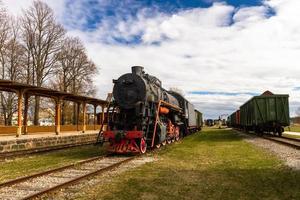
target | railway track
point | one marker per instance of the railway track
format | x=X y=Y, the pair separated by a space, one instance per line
x=33 y=186
x=20 y=153
x=292 y=142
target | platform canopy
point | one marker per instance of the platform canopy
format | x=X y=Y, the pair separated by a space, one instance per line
x=25 y=91
x=31 y=90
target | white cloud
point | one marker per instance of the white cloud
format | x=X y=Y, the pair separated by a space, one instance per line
x=220 y=48
x=16 y=7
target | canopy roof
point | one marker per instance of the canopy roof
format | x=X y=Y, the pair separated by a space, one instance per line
x=11 y=86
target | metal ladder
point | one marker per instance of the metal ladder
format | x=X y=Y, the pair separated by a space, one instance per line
x=100 y=138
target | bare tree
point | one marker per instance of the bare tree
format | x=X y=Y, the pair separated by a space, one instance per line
x=42 y=36
x=74 y=71
x=11 y=62
x=34 y=50
x=4 y=30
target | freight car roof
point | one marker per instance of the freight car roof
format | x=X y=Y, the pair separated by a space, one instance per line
x=264 y=97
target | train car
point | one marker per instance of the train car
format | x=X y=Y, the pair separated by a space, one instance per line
x=228 y=121
x=265 y=113
x=145 y=115
x=234 y=119
x=209 y=122
x=190 y=114
x=238 y=118
x=199 y=119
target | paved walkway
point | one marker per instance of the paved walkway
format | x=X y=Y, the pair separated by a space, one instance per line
x=45 y=135
x=292 y=133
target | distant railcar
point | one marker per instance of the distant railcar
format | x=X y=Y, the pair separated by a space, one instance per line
x=199 y=119
x=209 y=122
x=234 y=119
x=265 y=113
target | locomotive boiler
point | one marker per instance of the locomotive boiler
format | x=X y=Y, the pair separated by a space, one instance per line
x=142 y=114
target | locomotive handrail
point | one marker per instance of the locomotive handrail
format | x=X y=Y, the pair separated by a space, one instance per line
x=156 y=121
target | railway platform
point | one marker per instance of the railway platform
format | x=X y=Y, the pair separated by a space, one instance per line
x=44 y=141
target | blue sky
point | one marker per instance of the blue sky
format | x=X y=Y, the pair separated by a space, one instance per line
x=223 y=93
x=219 y=53
x=95 y=12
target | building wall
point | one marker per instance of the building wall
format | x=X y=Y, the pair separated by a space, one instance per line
x=45 y=143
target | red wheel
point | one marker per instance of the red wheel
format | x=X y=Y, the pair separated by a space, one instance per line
x=143 y=146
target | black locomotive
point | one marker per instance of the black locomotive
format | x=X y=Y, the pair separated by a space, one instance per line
x=143 y=114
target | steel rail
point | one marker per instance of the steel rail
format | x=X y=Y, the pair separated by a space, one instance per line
x=292 y=139
x=25 y=178
x=285 y=141
x=279 y=140
x=64 y=184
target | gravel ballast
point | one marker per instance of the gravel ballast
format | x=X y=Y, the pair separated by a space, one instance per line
x=289 y=155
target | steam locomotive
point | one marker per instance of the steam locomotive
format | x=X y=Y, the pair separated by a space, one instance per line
x=144 y=115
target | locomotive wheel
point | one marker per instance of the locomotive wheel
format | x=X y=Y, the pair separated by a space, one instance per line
x=164 y=143
x=143 y=146
x=275 y=131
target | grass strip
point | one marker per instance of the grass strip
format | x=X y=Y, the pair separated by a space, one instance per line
x=213 y=164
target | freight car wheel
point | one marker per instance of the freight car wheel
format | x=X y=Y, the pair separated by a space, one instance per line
x=143 y=146
x=280 y=131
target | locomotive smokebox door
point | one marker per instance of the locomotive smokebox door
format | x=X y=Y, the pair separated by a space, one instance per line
x=128 y=90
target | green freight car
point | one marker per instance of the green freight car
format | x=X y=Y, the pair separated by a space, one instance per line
x=199 y=119
x=265 y=113
x=233 y=119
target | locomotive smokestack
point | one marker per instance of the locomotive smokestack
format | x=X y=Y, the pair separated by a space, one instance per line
x=138 y=70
